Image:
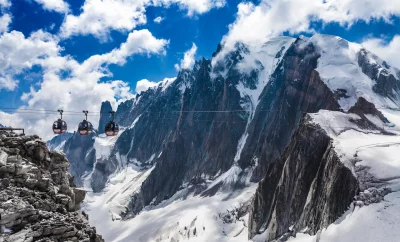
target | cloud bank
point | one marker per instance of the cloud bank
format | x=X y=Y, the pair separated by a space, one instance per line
x=66 y=83
x=188 y=59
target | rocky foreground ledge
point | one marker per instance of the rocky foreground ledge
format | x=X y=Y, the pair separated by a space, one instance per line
x=38 y=198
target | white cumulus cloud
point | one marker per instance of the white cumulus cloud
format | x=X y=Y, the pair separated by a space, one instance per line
x=188 y=59
x=138 y=42
x=256 y=23
x=195 y=6
x=158 y=19
x=66 y=83
x=54 y=5
x=5 y=3
x=144 y=84
x=8 y=83
x=5 y=21
x=99 y=17
x=6 y=17
x=387 y=51
x=18 y=53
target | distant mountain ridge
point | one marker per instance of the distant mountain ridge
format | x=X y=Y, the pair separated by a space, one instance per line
x=237 y=114
x=58 y=142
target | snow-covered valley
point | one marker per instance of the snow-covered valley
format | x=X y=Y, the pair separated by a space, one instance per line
x=184 y=217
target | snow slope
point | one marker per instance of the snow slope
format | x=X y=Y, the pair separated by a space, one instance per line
x=338 y=67
x=181 y=218
x=267 y=55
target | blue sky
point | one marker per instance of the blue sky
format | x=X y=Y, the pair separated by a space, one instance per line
x=205 y=23
x=206 y=31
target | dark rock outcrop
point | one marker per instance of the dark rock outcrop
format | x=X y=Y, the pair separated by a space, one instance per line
x=363 y=107
x=192 y=148
x=57 y=141
x=81 y=154
x=387 y=84
x=104 y=116
x=164 y=118
x=308 y=187
x=38 y=199
x=295 y=88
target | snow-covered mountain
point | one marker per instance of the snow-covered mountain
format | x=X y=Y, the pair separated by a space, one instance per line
x=370 y=153
x=192 y=149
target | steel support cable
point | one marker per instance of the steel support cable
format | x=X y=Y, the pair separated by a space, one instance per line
x=19 y=110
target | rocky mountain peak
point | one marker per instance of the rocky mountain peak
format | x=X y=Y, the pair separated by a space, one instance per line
x=38 y=198
x=231 y=59
x=58 y=142
x=351 y=71
x=104 y=115
x=363 y=107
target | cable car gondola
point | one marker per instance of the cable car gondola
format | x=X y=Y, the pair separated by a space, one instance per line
x=112 y=128
x=85 y=127
x=60 y=126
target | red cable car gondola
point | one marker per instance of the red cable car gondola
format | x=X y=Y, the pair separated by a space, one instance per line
x=112 y=128
x=60 y=126
x=85 y=127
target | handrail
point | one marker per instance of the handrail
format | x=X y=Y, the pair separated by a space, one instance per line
x=12 y=129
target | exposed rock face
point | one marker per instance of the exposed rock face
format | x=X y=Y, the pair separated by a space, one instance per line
x=82 y=155
x=104 y=116
x=363 y=107
x=192 y=149
x=58 y=142
x=147 y=134
x=295 y=88
x=188 y=145
x=38 y=199
x=386 y=84
x=308 y=187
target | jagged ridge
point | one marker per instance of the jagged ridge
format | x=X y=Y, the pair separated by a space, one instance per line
x=186 y=148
